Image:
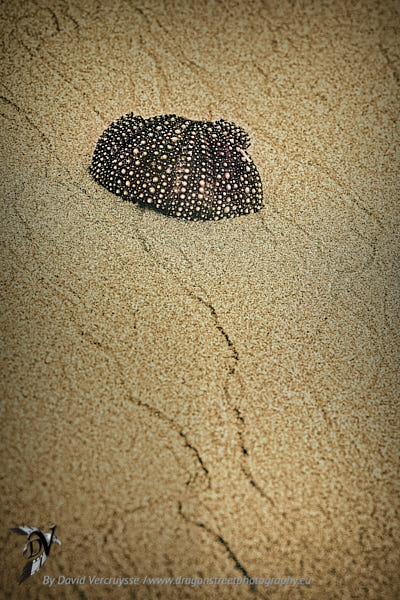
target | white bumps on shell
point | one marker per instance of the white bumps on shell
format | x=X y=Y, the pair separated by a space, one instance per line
x=190 y=169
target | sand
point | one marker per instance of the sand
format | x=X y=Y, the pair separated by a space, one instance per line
x=206 y=399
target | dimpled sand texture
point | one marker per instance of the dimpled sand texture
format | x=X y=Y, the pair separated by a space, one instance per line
x=190 y=397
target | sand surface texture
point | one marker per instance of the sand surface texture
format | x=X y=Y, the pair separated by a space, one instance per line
x=202 y=399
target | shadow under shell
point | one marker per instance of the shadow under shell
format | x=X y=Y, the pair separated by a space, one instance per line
x=190 y=169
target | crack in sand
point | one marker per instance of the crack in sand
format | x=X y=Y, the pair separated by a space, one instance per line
x=231 y=369
x=157 y=62
x=36 y=128
x=220 y=540
x=63 y=77
x=161 y=415
x=390 y=63
x=246 y=456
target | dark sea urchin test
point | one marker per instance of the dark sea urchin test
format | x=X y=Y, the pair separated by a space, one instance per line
x=190 y=169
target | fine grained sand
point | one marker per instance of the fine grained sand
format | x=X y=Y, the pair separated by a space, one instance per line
x=203 y=399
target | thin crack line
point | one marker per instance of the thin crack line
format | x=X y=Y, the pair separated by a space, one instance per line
x=36 y=128
x=219 y=539
x=231 y=369
x=159 y=414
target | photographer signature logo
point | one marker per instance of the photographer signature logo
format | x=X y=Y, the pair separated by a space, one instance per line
x=38 y=554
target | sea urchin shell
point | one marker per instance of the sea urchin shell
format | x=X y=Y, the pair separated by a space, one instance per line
x=191 y=169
